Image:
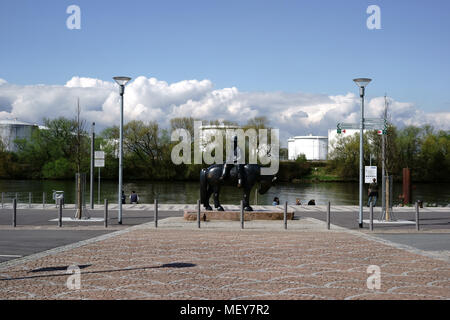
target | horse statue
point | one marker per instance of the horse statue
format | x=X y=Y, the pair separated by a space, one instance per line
x=210 y=183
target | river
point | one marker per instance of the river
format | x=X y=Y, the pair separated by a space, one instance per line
x=188 y=192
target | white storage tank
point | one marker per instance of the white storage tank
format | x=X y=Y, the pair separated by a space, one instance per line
x=313 y=147
x=10 y=130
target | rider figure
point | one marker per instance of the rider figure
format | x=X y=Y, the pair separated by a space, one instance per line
x=232 y=160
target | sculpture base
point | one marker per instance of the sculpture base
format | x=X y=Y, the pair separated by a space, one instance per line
x=190 y=215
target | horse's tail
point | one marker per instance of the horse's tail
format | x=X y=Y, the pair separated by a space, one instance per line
x=203 y=186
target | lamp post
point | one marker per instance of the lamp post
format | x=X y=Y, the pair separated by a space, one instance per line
x=361 y=83
x=91 y=185
x=121 y=81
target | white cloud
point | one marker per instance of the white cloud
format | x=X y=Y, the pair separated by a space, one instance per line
x=152 y=99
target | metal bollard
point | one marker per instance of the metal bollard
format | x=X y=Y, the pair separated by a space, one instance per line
x=14 y=222
x=198 y=213
x=242 y=214
x=285 y=215
x=29 y=199
x=371 y=216
x=417 y=216
x=60 y=214
x=106 y=213
x=43 y=199
x=155 y=212
x=328 y=215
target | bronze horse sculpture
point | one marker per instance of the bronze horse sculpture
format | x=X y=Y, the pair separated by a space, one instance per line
x=210 y=183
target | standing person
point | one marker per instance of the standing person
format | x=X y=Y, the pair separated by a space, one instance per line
x=123 y=197
x=134 y=198
x=373 y=192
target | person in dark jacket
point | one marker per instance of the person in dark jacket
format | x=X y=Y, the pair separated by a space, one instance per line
x=134 y=198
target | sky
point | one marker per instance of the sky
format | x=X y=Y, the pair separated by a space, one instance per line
x=291 y=61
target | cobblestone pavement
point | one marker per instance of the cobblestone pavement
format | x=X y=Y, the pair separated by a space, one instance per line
x=227 y=263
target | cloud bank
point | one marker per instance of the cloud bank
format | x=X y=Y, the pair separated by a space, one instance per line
x=152 y=99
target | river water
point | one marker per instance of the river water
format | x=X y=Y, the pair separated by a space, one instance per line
x=188 y=192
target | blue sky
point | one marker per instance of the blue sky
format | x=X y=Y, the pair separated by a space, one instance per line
x=310 y=46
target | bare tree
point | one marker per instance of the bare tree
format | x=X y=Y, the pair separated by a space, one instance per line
x=79 y=132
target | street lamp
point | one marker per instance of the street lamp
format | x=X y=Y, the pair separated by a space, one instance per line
x=121 y=81
x=361 y=83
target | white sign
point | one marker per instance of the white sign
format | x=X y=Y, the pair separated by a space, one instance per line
x=371 y=173
x=99 y=155
x=99 y=163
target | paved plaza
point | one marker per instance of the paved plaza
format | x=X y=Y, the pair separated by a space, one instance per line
x=220 y=261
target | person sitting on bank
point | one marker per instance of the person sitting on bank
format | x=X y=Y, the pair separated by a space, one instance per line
x=297 y=202
x=276 y=201
x=373 y=192
x=134 y=198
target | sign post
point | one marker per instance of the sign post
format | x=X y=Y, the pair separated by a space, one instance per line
x=99 y=163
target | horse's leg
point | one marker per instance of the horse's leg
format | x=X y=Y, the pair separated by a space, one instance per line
x=208 y=195
x=247 y=199
x=216 y=198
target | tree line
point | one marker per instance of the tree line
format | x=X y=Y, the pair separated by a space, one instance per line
x=63 y=149
x=424 y=150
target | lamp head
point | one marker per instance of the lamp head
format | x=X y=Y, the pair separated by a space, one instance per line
x=362 y=82
x=121 y=81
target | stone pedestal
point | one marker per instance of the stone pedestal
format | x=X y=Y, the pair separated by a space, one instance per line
x=191 y=215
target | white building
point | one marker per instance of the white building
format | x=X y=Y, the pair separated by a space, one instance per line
x=313 y=147
x=10 y=130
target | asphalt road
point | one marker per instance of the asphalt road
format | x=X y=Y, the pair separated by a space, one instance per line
x=23 y=241
x=428 y=220
x=18 y=243
x=422 y=241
